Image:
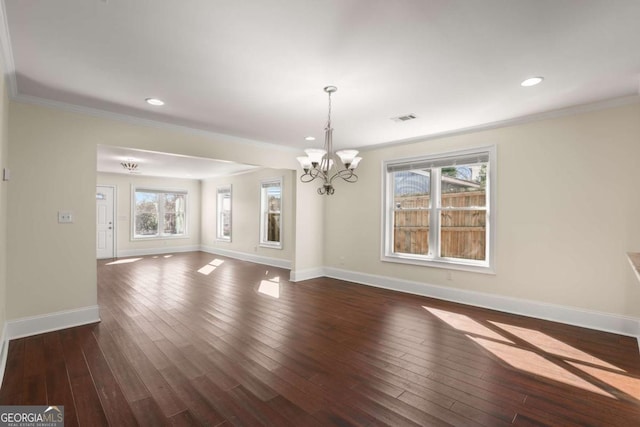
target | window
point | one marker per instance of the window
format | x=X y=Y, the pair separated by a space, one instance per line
x=159 y=213
x=223 y=209
x=438 y=210
x=271 y=213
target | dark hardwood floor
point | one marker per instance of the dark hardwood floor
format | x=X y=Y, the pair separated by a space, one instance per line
x=197 y=339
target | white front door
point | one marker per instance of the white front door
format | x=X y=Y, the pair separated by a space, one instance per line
x=105 y=226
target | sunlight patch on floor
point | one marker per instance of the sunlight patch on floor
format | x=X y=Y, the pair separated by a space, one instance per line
x=209 y=268
x=531 y=362
x=465 y=324
x=624 y=383
x=553 y=346
x=532 y=358
x=270 y=287
x=124 y=261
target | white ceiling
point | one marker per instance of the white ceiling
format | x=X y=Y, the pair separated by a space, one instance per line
x=256 y=68
x=151 y=163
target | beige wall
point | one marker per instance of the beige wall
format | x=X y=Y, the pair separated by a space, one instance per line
x=310 y=229
x=245 y=211
x=123 y=183
x=568 y=209
x=4 y=162
x=51 y=266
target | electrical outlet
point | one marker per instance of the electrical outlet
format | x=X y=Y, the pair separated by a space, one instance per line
x=449 y=275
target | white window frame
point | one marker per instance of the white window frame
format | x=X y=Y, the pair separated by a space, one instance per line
x=433 y=259
x=161 y=234
x=221 y=192
x=264 y=184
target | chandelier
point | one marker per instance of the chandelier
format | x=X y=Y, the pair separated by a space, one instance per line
x=318 y=163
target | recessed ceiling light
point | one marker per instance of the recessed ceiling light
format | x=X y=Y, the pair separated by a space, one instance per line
x=155 y=101
x=532 y=81
x=309 y=138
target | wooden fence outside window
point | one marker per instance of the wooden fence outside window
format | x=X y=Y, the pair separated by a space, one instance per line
x=463 y=232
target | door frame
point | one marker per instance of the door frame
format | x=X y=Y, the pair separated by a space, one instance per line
x=114 y=252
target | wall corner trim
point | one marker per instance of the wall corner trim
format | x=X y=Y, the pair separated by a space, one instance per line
x=33 y=325
x=310 y=273
x=606 y=322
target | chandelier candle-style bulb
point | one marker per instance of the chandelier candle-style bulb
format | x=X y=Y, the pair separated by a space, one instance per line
x=319 y=162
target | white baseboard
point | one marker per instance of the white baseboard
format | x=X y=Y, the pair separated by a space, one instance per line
x=4 y=350
x=310 y=273
x=607 y=322
x=40 y=324
x=258 y=259
x=124 y=253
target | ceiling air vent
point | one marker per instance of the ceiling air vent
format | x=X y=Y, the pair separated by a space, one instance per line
x=404 y=118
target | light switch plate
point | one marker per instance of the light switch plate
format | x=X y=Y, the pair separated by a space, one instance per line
x=65 y=217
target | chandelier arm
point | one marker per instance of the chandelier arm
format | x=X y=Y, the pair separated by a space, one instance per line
x=346 y=174
x=351 y=178
x=313 y=174
x=318 y=173
x=306 y=178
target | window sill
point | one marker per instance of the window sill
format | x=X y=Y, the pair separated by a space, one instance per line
x=444 y=263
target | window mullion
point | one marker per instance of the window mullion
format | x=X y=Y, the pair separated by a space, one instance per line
x=161 y=214
x=434 y=214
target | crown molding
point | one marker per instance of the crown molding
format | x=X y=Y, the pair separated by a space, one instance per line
x=8 y=66
x=546 y=115
x=95 y=112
